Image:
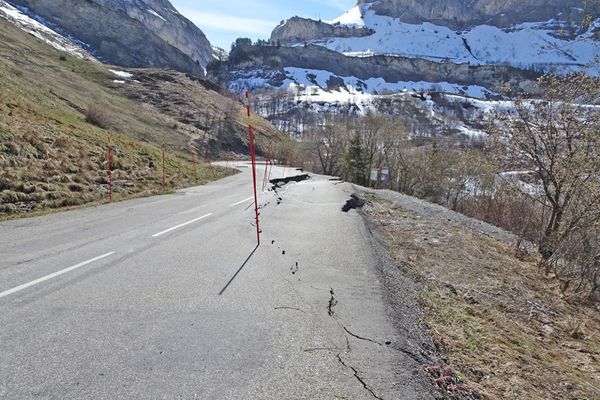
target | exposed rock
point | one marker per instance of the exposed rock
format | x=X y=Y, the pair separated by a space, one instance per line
x=130 y=33
x=463 y=14
x=390 y=68
x=297 y=30
x=214 y=122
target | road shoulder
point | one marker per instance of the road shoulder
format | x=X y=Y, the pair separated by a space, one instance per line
x=500 y=328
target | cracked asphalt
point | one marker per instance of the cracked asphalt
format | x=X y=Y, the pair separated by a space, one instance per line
x=123 y=301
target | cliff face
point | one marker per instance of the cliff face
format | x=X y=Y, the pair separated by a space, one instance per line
x=457 y=15
x=131 y=33
x=271 y=61
x=543 y=35
x=464 y=14
x=296 y=30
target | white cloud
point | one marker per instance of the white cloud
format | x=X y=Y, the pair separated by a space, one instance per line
x=340 y=5
x=230 y=23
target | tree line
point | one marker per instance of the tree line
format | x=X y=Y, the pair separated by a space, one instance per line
x=537 y=175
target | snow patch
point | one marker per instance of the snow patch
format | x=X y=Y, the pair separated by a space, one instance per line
x=352 y=18
x=121 y=74
x=151 y=11
x=36 y=28
x=351 y=84
x=536 y=45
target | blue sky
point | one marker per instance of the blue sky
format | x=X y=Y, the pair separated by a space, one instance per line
x=225 y=20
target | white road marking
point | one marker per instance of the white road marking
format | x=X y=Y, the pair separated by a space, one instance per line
x=242 y=202
x=181 y=225
x=54 y=275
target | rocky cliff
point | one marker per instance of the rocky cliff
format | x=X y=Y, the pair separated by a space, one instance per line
x=557 y=36
x=464 y=14
x=270 y=63
x=296 y=30
x=130 y=33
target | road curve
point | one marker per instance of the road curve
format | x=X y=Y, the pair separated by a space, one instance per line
x=136 y=300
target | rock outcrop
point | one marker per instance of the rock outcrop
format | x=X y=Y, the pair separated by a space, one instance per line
x=130 y=33
x=464 y=14
x=297 y=30
x=273 y=60
x=458 y=15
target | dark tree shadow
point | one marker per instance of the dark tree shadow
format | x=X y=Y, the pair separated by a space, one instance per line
x=238 y=271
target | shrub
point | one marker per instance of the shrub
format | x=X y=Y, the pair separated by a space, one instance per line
x=75 y=187
x=9 y=196
x=95 y=116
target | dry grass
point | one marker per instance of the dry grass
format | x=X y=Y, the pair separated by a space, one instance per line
x=494 y=318
x=95 y=116
x=53 y=141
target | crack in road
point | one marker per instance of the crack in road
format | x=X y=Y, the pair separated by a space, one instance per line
x=354 y=203
x=279 y=182
x=320 y=349
x=289 y=308
x=332 y=303
x=409 y=353
x=360 y=337
x=358 y=377
x=294 y=268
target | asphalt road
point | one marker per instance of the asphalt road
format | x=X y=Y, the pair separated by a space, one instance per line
x=123 y=301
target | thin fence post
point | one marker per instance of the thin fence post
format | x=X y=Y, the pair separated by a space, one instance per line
x=194 y=163
x=164 y=170
x=253 y=157
x=267 y=159
x=109 y=167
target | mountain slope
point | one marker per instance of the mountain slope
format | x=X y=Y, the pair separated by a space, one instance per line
x=449 y=61
x=52 y=151
x=551 y=37
x=42 y=30
x=130 y=33
x=465 y=14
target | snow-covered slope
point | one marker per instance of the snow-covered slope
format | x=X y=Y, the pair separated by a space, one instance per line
x=327 y=85
x=538 y=45
x=130 y=33
x=353 y=17
x=40 y=29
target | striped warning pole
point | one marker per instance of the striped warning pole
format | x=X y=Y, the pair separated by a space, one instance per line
x=270 y=168
x=109 y=158
x=193 y=150
x=253 y=158
x=164 y=170
x=267 y=160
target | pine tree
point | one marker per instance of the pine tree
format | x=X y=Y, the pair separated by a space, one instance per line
x=355 y=160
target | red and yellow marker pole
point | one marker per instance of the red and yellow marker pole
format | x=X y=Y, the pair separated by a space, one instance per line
x=109 y=167
x=253 y=158
x=193 y=150
x=267 y=160
x=164 y=170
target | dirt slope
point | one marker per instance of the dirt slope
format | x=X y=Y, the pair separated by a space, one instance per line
x=497 y=322
x=51 y=157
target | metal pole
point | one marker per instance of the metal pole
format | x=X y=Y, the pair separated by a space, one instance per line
x=109 y=167
x=194 y=162
x=253 y=157
x=164 y=171
x=266 y=167
x=270 y=169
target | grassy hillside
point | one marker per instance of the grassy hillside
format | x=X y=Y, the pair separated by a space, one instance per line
x=55 y=115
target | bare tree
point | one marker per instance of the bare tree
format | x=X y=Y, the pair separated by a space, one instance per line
x=558 y=138
x=330 y=141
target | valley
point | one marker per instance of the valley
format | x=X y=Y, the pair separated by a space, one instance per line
x=371 y=199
